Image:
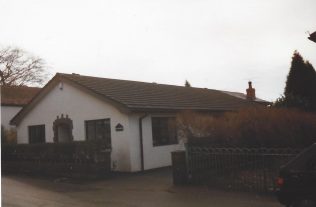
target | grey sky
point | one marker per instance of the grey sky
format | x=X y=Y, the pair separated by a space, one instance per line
x=219 y=44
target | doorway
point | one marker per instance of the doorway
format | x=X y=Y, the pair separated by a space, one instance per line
x=62 y=127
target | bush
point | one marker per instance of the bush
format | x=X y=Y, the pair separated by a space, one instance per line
x=252 y=127
x=8 y=136
x=78 y=151
x=74 y=159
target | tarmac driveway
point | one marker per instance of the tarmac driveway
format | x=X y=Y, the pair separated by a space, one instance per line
x=149 y=189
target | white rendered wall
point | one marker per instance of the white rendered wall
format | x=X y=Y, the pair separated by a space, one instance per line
x=134 y=142
x=154 y=156
x=7 y=113
x=79 y=106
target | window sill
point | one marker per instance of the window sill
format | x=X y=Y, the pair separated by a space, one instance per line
x=164 y=145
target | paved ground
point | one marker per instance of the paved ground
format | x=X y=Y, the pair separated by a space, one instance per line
x=150 y=189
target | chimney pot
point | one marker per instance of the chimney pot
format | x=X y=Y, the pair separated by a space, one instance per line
x=250 y=84
x=251 y=92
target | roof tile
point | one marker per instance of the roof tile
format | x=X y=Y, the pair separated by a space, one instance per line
x=17 y=95
x=140 y=95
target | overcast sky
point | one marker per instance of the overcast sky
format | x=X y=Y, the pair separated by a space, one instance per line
x=218 y=44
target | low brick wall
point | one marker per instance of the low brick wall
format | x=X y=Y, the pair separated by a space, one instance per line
x=75 y=159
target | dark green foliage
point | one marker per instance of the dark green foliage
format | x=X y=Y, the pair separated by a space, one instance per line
x=294 y=83
x=300 y=89
x=74 y=159
x=187 y=84
x=74 y=151
x=291 y=101
x=311 y=84
x=8 y=136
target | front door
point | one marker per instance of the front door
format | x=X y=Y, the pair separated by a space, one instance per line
x=64 y=133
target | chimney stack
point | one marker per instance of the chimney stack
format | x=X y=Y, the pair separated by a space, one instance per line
x=251 y=92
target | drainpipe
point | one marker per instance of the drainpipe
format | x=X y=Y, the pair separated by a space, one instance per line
x=141 y=140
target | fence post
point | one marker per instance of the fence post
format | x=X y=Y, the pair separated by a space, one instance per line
x=179 y=167
x=187 y=162
x=265 y=185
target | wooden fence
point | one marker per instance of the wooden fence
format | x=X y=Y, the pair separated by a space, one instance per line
x=244 y=169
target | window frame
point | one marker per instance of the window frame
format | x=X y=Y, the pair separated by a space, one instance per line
x=42 y=139
x=95 y=128
x=171 y=141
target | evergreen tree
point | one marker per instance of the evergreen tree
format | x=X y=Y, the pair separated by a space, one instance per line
x=187 y=84
x=300 y=89
x=311 y=83
x=294 y=83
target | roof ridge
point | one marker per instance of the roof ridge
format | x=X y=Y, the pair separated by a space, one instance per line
x=73 y=77
x=149 y=83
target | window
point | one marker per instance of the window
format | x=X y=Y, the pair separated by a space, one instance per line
x=164 y=131
x=36 y=134
x=98 y=129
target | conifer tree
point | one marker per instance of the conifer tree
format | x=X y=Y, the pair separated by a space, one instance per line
x=293 y=83
x=300 y=89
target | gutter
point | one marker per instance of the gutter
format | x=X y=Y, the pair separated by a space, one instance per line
x=140 y=121
x=15 y=105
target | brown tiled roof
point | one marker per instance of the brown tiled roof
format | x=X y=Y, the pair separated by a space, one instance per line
x=141 y=96
x=244 y=96
x=17 y=95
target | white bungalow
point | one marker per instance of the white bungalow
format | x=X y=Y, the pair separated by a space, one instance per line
x=135 y=118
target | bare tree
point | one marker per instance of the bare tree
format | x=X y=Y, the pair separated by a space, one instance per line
x=20 y=68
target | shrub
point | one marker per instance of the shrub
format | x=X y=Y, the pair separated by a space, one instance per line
x=8 y=135
x=74 y=159
x=78 y=151
x=251 y=127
